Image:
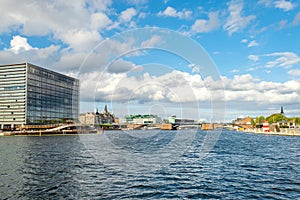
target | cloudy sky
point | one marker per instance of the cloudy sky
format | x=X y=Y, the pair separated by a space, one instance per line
x=192 y=59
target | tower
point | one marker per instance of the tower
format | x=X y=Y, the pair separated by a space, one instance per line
x=281 y=111
x=105 y=109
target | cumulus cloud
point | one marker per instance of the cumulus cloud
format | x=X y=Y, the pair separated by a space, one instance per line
x=21 y=51
x=122 y=66
x=182 y=87
x=81 y=40
x=172 y=12
x=57 y=18
x=18 y=44
x=99 y=21
x=204 y=26
x=127 y=14
x=125 y=17
x=236 y=21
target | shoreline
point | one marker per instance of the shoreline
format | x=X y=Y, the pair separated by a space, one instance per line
x=290 y=133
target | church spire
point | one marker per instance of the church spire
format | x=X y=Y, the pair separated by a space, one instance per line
x=281 y=111
x=105 y=109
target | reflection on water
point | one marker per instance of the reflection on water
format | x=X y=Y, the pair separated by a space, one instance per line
x=239 y=166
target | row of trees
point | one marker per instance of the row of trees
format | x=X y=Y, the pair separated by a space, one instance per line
x=274 y=119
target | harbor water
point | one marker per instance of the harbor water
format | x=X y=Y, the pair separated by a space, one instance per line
x=150 y=164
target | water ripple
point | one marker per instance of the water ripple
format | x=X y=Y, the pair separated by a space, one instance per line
x=240 y=166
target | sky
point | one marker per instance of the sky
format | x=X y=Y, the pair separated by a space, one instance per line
x=205 y=60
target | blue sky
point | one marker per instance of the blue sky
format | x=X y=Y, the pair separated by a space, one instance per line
x=253 y=45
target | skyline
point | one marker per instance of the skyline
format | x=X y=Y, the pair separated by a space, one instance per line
x=257 y=57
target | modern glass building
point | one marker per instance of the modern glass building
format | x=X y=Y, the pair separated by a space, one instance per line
x=33 y=95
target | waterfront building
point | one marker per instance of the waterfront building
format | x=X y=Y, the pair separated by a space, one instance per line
x=31 y=95
x=91 y=118
x=174 y=120
x=245 y=123
x=105 y=117
x=88 y=118
x=143 y=119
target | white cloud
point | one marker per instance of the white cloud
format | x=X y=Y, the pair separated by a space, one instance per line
x=127 y=14
x=253 y=58
x=234 y=71
x=204 y=26
x=172 y=12
x=253 y=43
x=236 y=21
x=294 y=72
x=81 y=40
x=284 y=59
x=285 y=5
x=277 y=59
x=153 y=41
x=99 y=21
x=181 y=87
x=21 y=51
x=57 y=18
x=18 y=44
x=244 y=41
x=267 y=3
x=124 y=18
x=137 y=2
x=122 y=66
x=281 y=4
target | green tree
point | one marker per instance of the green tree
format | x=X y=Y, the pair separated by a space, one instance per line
x=260 y=119
x=276 y=118
x=253 y=122
x=297 y=120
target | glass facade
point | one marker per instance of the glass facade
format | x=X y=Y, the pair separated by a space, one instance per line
x=33 y=95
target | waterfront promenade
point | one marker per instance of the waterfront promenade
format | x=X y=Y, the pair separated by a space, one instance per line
x=283 y=132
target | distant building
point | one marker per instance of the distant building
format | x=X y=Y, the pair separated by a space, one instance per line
x=174 y=120
x=143 y=119
x=88 y=118
x=244 y=122
x=33 y=95
x=91 y=118
x=105 y=117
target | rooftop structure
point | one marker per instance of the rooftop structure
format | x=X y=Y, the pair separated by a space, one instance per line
x=33 y=95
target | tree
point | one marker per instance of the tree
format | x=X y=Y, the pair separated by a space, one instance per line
x=259 y=119
x=276 y=118
x=297 y=120
x=253 y=122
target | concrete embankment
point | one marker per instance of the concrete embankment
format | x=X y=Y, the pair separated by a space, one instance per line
x=283 y=132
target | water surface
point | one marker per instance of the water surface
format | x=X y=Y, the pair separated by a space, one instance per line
x=146 y=164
